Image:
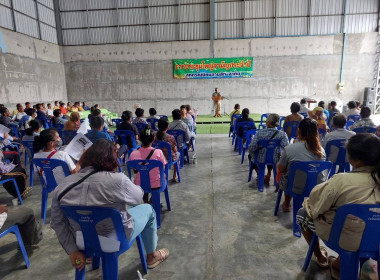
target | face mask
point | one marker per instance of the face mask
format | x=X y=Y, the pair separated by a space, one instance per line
x=60 y=143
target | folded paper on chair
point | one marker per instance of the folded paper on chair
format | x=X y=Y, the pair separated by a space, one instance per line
x=107 y=244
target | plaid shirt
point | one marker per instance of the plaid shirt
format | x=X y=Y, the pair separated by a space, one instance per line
x=139 y=120
x=266 y=134
x=367 y=122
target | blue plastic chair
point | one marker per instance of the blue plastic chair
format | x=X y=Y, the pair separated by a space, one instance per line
x=163 y=116
x=282 y=119
x=365 y=130
x=369 y=246
x=14 y=128
x=322 y=134
x=49 y=183
x=144 y=167
x=180 y=137
x=341 y=159
x=234 y=132
x=153 y=123
x=14 y=229
x=232 y=123
x=123 y=134
x=305 y=115
x=241 y=129
x=116 y=121
x=165 y=145
x=16 y=187
x=293 y=129
x=263 y=120
x=88 y=217
x=59 y=128
x=68 y=135
x=270 y=145
x=312 y=169
x=140 y=126
x=351 y=119
x=249 y=136
x=28 y=145
x=48 y=122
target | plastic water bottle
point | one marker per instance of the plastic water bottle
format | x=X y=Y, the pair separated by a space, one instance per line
x=194 y=158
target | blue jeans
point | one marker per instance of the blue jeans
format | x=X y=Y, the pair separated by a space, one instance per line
x=144 y=218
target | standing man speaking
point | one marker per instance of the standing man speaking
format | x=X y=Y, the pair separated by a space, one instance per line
x=217 y=98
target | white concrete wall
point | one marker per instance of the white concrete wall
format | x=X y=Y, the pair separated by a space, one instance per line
x=30 y=70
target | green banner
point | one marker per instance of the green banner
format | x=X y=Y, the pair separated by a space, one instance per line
x=210 y=68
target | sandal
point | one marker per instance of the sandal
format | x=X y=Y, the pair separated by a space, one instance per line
x=163 y=255
x=325 y=264
x=26 y=192
x=335 y=274
x=173 y=181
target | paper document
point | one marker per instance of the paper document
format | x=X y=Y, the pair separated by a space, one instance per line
x=77 y=145
x=83 y=127
x=4 y=129
x=3 y=217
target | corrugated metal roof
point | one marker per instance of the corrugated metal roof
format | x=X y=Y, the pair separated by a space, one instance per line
x=102 y=18
x=131 y=4
x=197 y=12
x=48 y=33
x=228 y=10
x=27 y=7
x=46 y=15
x=258 y=27
x=362 y=6
x=5 y=2
x=72 y=5
x=259 y=9
x=194 y=31
x=162 y=2
x=74 y=19
x=164 y=32
x=26 y=25
x=48 y=3
x=75 y=37
x=138 y=33
x=101 y=4
x=133 y=16
x=361 y=23
x=288 y=8
x=326 y=7
x=6 y=17
x=193 y=1
x=166 y=14
x=291 y=26
x=326 y=25
x=103 y=35
x=229 y=29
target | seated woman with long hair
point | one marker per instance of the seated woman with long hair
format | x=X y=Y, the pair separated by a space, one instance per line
x=307 y=148
x=360 y=186
x=74 y=122
x=105 y=188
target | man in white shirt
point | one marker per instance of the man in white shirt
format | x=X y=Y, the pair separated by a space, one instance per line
x=304 y=109
x=352 y=110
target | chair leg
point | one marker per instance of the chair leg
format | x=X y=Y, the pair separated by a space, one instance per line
x=297 y=204
x=179 y=175
x=31 y=171
x=260 y=173
x=278 y=200
x=44 y=200
x=181 y=159
x=110 y=266
x=157 y=206
x=95 y=262
x=242 y=155
x=250 y=171
x=80 y=275
x=166 y=191
x=21 y=244
x=349 y=266
x=140 y=246
x=310 y=252
x=17 y=190
x=26 y=159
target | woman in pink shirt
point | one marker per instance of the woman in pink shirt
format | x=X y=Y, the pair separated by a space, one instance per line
x=147 y=138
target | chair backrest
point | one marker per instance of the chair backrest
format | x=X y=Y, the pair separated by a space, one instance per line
x=365 y=129
x=144 y=166
x=234 y=118
x=88 y=217
x=59 y=128
x=312 y=169
x=117 y=121
x=290 y=129
x=141 y=126
x=14 y=129
x=157 y=144
x=179 y=136
x=341 y=145
x=123 y=134
x=351 y=119
x=163 y=116
x=369 y=213
x=28 y=144
x=48 y=165
x=282 y=119
x=68 y=135
x=249 y=136
x=322 y=133
x=153 y=123
x=243 y=127
x=49 y=122
x=305 y=115
x=269 y=146
x=263 y=118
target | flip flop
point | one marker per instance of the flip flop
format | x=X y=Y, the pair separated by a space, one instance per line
x=164 y=254
x=335 y=274
x=326 y=263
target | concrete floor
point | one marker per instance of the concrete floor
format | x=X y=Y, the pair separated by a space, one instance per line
x=220 y=227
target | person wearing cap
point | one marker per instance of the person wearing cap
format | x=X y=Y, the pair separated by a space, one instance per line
x=271 y=132
x=318 y=115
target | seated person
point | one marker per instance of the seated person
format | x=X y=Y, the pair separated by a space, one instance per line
x=365 y=121
x=20 y=113
x=139 y=116
x=85 y=107
x=270 y=132
x=294 y=116
x=304 y=109
x=34 y=129
x=318 y=115
x=56 y=105
x=15 y=111
x=191 y=114
x=352 y=110
x=73 y=123
x=50 y=110
x=63 y=108
x=75 y=107
x=45 y=146
x=96 y=133
x=5 y=119
x=24 y=218
x=41 y=114
x=236 y=110
x=245 y=118
x=97 y=113
x=148 y=152
x=108 y=189
x=322 y=105
x=178 y=124
x=153 y=114
x=24 y=122
x=69 y=106
x=360 y=186
x=340 y=132
x=187 y=119
x=161 y=135
x=9 y=150
x=58 y=117
x=332 y=112
x=127 y=125
x=307 y=148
